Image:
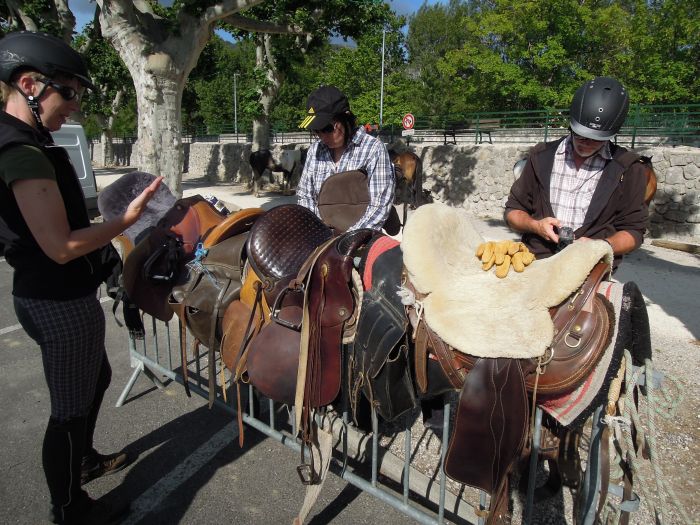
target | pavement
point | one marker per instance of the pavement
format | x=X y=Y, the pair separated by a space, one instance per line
x=190 y=468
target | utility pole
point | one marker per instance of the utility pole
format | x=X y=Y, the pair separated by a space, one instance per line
x=381 y=89
x=235 y=107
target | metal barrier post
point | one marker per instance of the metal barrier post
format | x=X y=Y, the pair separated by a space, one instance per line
x=534 y=455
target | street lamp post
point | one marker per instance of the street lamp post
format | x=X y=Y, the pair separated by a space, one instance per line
x=381 y=89
x=235 y=106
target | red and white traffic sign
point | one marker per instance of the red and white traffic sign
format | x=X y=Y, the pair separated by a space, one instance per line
x=408 y=121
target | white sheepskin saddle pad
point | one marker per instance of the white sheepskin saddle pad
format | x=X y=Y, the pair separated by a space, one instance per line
x=474 y=311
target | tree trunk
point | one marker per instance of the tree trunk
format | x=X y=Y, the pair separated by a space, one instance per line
x=107 y=147
x=159 y=65
x=264 y=59
x=159 y=150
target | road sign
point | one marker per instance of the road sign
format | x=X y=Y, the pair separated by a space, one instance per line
x=408 y=121
x=408 y=132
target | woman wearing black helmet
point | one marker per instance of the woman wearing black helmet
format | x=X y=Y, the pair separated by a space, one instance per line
x=583 y=182
x=55 y=253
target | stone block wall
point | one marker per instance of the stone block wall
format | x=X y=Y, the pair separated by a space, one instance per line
x=478 y=177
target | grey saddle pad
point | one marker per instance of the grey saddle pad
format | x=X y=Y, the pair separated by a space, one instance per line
x=113 y=200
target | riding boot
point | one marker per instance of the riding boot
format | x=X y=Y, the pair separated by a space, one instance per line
x=62 y=454
x=100 y=388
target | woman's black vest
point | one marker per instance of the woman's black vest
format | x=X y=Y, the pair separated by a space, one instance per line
x=36 y=275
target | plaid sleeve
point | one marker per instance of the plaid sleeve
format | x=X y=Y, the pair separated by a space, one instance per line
x=381 y=187
x=307 y=194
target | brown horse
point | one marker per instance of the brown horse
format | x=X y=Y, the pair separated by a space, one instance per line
x=408 y=169
x=651 y=180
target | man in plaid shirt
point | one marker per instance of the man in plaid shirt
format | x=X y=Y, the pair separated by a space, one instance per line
x=344 y=146
x=583 y=181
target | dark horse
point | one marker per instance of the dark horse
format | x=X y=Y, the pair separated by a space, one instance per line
x=263 y=160
x=408 y=169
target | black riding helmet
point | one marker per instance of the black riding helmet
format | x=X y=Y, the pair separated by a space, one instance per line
x=599 y=109
x=44 y=53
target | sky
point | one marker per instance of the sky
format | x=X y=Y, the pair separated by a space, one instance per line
x=84 y=9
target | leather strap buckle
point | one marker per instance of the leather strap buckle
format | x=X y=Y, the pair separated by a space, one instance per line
x=307 y=474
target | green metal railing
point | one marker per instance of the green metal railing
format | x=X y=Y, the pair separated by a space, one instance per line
x=645 y=125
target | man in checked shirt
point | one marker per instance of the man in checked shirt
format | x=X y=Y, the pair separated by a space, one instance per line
x=583 y=181
x=344 y=146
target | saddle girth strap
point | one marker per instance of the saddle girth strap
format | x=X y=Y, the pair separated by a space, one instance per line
x=179 y=309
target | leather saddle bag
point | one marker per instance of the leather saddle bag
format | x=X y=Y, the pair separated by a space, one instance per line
x=213 y=281
x=583 y=328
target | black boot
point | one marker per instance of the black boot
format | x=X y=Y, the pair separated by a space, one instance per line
x=62 y=454
x=103 y=381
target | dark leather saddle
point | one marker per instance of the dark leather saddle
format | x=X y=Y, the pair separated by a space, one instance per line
x=379 y=360
x=280 y=242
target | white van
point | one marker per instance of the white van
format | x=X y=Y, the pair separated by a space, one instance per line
x=72 y=138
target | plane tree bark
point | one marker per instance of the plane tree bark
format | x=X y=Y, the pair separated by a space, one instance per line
x=159 y=54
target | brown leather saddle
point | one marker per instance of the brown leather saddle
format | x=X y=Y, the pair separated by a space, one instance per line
x=491 y=426
x=156 y=263
x=280 y=242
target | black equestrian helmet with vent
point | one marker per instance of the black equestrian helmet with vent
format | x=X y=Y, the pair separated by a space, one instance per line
x=44 y=53
x=599 y=109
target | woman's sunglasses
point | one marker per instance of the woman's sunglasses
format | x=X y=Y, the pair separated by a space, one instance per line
x=66 y=92
x=328 y=129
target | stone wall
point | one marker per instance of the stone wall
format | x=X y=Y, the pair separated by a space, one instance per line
x=478 y=177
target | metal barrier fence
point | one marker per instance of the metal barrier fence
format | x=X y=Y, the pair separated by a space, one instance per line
x=646 y=125
x=407 y=490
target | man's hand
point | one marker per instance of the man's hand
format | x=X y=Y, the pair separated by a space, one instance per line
x=545 y=228
x=521 y=222
x=138 y=205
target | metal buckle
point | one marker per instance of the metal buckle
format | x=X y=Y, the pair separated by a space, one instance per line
x=307 y=474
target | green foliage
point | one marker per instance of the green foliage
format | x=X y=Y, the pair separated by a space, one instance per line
x=452 y=58
x=107 y=71
x=42 y=12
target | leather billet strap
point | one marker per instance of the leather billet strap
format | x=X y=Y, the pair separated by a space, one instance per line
x=454 y=365
x=179 y=309
x=429 y=345
x=303 y=279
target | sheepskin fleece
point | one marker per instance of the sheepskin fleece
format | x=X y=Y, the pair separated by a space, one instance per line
x=114 y=199
x=474 y=311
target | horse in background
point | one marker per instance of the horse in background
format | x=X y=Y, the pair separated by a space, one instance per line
x=262 y=161
x=408 y=170
x=651 y=179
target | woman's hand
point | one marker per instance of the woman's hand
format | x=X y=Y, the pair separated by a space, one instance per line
x=138 y=205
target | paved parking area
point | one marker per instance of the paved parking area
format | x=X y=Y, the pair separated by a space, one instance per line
x=190 y=468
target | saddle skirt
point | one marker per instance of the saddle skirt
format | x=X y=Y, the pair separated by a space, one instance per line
x=506 y=317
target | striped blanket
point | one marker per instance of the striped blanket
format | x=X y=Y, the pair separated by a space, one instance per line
x=631 y=332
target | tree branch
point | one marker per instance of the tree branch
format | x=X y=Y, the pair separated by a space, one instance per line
x=18 y=13
x=257 y=26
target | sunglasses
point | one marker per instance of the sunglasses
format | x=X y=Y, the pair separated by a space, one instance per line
x=585 y=139
x=66 y=92
x=328 y=129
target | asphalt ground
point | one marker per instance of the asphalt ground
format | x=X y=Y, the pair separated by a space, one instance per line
x=189 y=467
